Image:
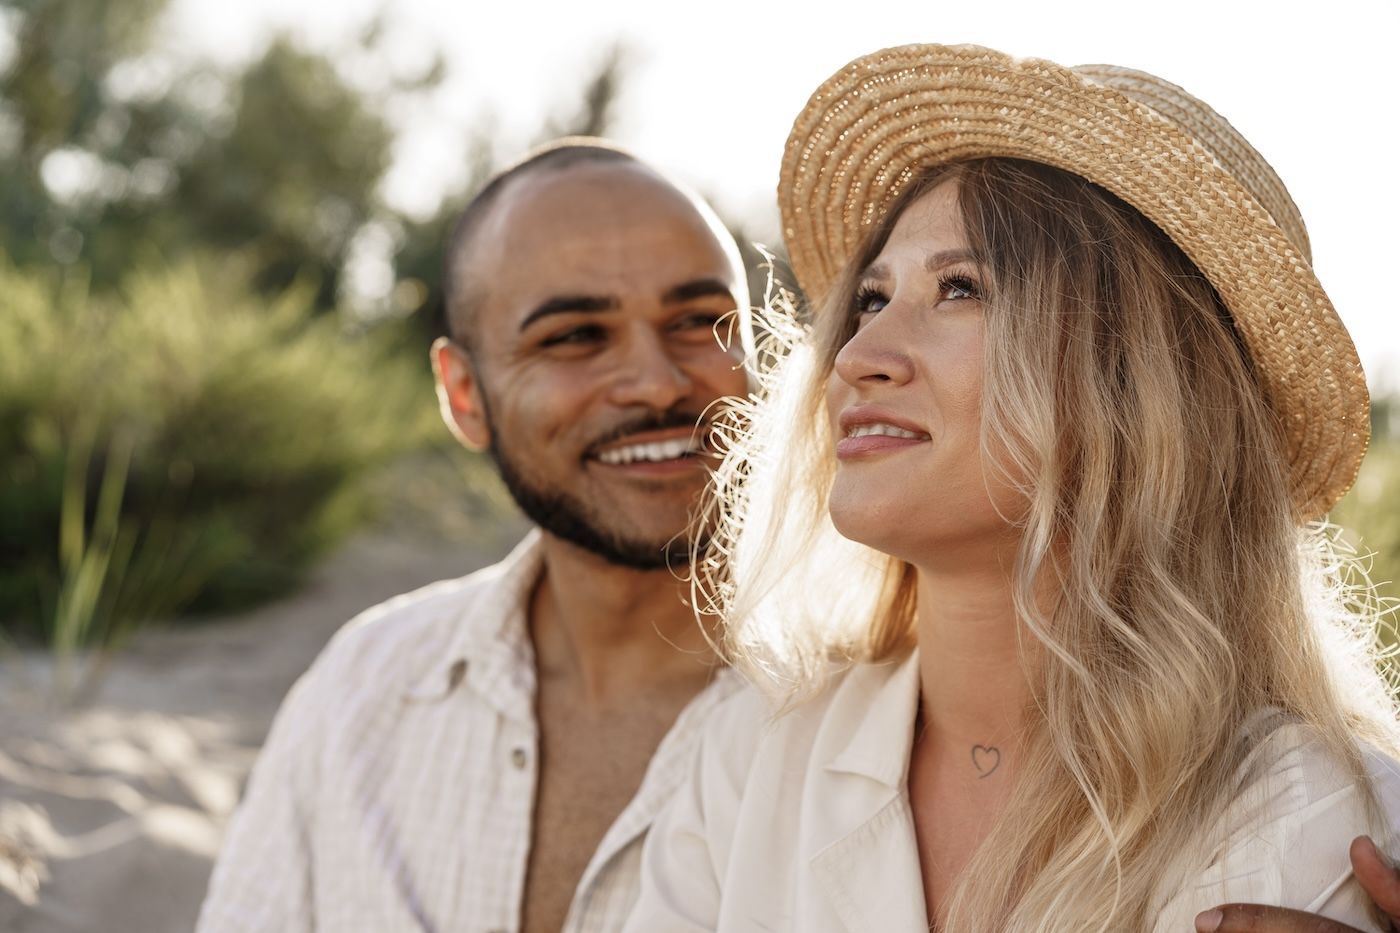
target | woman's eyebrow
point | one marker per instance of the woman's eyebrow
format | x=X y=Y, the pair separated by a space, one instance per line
x=933 y=262
x=878 y=271
x=944 y=258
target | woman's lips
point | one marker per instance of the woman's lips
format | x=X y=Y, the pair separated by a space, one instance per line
x=869 y=430
x=849 y=447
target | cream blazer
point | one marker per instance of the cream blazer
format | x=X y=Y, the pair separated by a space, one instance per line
x=803 y=824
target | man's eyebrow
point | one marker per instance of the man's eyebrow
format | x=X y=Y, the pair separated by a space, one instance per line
x=699 y=288
x=569 y=304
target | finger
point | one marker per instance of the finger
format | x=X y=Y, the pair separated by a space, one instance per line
x=1377 y=878
x=1258 y=918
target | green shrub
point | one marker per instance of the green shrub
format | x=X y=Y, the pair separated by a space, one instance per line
x=1370 y=514
x=1370 y=519
x=187 y=445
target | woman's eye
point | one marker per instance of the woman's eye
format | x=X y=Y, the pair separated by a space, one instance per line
x=958 y=287
x=868 y=300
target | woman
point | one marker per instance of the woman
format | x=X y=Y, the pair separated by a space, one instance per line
x=1019 y=530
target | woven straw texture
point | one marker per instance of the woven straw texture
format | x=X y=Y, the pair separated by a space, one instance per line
x=884 y=118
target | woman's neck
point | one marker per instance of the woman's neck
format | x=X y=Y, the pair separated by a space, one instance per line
x=973 y=701
x=974 y=688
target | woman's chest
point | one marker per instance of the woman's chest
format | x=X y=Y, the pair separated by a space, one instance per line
x=954 y=800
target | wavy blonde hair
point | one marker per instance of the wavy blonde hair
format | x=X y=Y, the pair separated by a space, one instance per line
x=1123 y=407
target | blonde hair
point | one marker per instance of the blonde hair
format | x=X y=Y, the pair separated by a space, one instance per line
x=1124 y=410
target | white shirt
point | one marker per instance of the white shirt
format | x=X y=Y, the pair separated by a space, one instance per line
x=396 y=789
x=803 y=823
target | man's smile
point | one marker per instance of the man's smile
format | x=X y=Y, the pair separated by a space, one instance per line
x=654 y=453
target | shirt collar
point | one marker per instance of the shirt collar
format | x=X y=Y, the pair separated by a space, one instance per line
x=489 y=636
x=872 y=733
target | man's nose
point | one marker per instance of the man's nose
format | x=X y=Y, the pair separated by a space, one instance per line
x=651 y=375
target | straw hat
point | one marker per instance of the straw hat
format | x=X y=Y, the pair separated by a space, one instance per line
x=877 y=123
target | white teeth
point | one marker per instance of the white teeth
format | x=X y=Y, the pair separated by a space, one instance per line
x=652 y=453
x=887 y=430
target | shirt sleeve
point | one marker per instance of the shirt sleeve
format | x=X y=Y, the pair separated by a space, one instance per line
x=1289 y=834
x=687 y=848
x=263 y=877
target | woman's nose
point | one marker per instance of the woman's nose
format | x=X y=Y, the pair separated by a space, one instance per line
x=876 y=353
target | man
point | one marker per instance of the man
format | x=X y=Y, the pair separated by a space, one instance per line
x=487 y=753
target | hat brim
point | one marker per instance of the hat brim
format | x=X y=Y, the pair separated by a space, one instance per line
x=887 y=117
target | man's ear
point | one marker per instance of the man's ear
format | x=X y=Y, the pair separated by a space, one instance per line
x=459 y=394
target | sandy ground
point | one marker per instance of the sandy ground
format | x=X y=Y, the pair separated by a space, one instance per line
x=111 y=815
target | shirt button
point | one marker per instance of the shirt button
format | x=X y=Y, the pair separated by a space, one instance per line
x=519 y=758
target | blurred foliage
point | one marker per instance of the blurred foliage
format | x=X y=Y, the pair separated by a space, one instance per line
x=1370 y=513
x=295 y=208
x=114 y=153
x=240 y=432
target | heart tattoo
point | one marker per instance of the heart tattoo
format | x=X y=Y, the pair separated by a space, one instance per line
x=986 y=759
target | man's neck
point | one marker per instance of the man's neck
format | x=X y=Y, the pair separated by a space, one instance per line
x=614 y=633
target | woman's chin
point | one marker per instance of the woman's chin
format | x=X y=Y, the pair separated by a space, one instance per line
x=876 y=528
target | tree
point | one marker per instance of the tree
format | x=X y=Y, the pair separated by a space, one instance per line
x=118 y=157
x=295 y=177
x=66 y=144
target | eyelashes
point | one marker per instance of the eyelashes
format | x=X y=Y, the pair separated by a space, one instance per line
x=864 y=296
x=953 y=286
x=958 y=286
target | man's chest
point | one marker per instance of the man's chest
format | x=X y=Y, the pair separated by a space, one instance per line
x=591 y=768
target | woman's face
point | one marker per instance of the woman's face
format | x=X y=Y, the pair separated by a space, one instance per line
x=905 y=395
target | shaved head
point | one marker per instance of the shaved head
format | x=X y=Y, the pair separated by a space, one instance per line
x=465 y=285
x=460 y=294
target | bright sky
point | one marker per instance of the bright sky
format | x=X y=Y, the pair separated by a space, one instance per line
x=712 y=89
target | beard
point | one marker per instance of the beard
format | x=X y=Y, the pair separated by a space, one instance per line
x=570 y=518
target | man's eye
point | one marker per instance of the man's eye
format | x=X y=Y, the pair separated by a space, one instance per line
x=868 y=300
x=701 y=320
x=574 y=336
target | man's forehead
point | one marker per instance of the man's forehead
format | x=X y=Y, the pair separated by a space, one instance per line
x=587 y=199
x=594 y=229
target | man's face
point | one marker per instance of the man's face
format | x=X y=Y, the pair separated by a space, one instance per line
x=595 y=354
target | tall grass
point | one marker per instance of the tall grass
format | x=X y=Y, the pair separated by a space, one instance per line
x=185 y=446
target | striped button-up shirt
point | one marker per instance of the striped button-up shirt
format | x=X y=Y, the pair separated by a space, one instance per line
x=396 y=788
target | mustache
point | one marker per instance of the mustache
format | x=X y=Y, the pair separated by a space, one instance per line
x=655 y=421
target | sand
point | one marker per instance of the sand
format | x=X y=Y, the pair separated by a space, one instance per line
x=111 y=815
